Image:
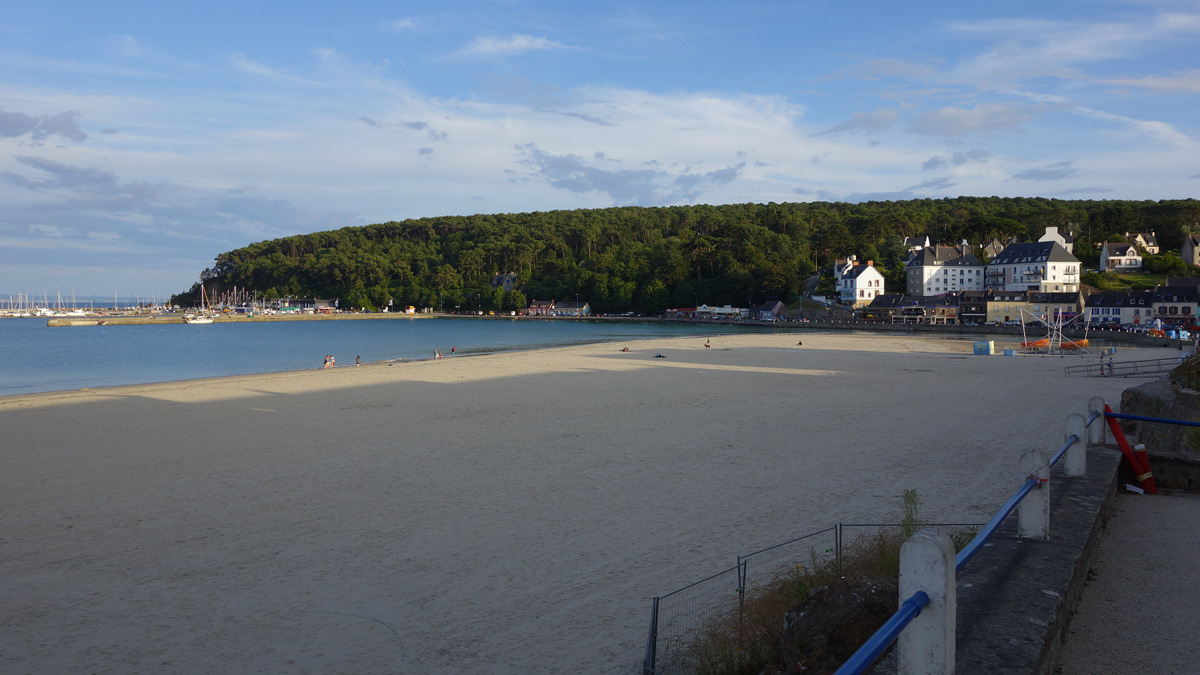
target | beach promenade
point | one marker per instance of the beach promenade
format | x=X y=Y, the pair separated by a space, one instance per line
x=509 y=513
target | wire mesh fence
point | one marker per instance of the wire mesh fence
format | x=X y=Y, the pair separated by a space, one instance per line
x=686 y=626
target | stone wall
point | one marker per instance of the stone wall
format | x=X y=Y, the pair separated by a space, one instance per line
x=1164 y=399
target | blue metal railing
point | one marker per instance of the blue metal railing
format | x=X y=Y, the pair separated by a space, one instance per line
x=1140 y=418
x=885 y=636
x=890 y=631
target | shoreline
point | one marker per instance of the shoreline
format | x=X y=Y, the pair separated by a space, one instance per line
x=965 y=342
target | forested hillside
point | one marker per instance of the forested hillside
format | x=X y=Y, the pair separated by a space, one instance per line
x=648 y=259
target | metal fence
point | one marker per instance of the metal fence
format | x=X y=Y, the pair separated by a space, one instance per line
x=682 y=621
x=1124 y=368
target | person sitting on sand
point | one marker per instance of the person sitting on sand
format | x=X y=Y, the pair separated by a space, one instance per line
x=625 y=349
x=659 y=356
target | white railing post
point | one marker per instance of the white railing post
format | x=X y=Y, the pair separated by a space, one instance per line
x=1033 y=514
x=1075 y=461
x=927 y=645
x=1096 y=432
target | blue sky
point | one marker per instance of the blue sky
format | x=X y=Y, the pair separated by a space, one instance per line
x=138 y=140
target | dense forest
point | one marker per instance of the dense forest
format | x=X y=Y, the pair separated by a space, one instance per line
x=633 y=259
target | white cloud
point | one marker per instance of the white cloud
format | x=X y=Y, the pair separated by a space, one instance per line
x=1185 y=82
x=868 y=123
x=982 y=118
x=489 y=47
x=1050 y=172
x=403 y=24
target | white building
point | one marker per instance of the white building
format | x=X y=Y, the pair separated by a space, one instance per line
x=937 y=270
x=1064 y=240
x=1118 y=308
x=859 y=284
x=1144 y=241
x=1040 y=266
x=1120 y=257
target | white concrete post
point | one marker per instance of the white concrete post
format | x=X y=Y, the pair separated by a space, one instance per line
x=926 y=646
x=1075 y=461
x=1033 y=514
x=1097 y=432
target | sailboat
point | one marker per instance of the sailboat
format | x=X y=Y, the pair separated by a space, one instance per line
x=207 y=316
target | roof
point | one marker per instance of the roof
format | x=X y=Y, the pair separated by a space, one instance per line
x=945 y=256
x=1177 y=294
x=1034 y=252
x=1121 y=249
x=1118 y=299
x=887 y=301
x=1044 y=298
x=857 y=271
x=1008 y=296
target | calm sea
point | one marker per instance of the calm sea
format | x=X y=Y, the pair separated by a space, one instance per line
x=38 y=358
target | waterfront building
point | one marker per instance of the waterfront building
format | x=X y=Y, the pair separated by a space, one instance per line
x=1039 y=266
x=937 y=270
x=859 y=284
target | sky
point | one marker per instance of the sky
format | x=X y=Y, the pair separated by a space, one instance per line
x=139 y=140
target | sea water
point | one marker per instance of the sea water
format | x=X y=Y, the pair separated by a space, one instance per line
x=40 y=358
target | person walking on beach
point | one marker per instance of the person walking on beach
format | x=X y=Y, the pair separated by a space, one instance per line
x=707 y=343
x=326 y=361
x=1110 y=365
x=332 y=361
x=357 y=362
x=452 y=349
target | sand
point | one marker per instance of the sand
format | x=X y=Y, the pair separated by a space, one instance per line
x=510 y=513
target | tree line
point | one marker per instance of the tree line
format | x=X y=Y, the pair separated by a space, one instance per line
x=646 y=259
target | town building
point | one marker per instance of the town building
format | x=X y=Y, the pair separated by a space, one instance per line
x=1065 y=239
x=771 y=310
x=506 y=281
x=937 y=270
x=859 y=284
x=1119 y=308
x=541 y=308
x=1005 y=306
x=972 y=307
x=572 y=309
x=1120 y=257
x=1039 y=266
x=1146 y=242
x=1191 y=249
x=1053 y=308
x=1176 y=304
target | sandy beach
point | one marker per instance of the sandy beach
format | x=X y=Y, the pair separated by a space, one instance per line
x=509 y=513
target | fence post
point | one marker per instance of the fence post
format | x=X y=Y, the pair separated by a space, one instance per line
x=1097 y=430
x=648 y=661
x=1033 y=514
x=927 y=645
x=1076 y=464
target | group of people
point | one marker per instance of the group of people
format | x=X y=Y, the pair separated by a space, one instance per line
x=437 y=353
x=330 y=362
